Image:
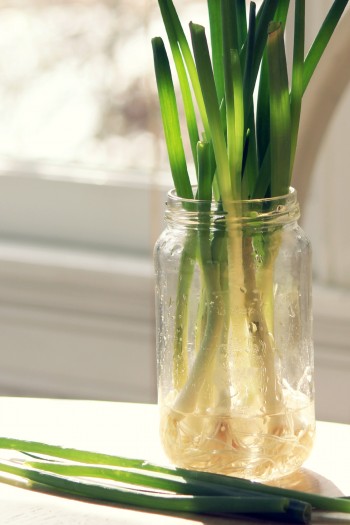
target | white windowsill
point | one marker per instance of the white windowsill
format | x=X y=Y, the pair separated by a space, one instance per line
x=77 y=207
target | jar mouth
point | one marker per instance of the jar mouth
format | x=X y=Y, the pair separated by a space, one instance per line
x=291 y=195
x=272 y=210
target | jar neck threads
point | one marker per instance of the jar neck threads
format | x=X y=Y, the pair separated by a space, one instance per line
x=256 y=213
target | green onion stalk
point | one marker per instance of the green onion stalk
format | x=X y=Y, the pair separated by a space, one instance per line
x=137 y=483
x=242 y=149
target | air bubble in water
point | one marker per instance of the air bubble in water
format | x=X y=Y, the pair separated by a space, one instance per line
x=253 y=328
x=176 y=250
x=291 y=312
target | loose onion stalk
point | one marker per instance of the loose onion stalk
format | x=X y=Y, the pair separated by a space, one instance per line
x=61 y=482
x=246 y=152
x=138 y=483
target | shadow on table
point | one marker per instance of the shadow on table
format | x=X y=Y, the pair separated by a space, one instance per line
x=308 y=481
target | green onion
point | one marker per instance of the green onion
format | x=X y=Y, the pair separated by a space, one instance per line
x=245 y=150
x=322 y=39
x=280 y=125
x=205 y=171
x=228 y=32
x=264 y=17
x=140 y=484
x=249 y=164
x=241 y=22
x=207 y=82
x=183 y=81
x=67 y=470
x=171 y=120
x=216 y=46
x=296 y=93
x=151 y=500
x=169 y=12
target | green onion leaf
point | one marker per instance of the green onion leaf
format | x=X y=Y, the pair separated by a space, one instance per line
x=188 y=59
x=241 y=22
x=263 y=111
x=162 y=501
x=229 y=26
x=236 y=154
x=206 y=78
x=212 y=481
x=322 y=39
x=264 y=17
x=250 y=172
x=216 y=46
x=297 y=76
x=282 y=12
x=170 y=119
x=249 y=79
x=280 y=126
x=183 y=81
x=206 y=169
x=234 y=99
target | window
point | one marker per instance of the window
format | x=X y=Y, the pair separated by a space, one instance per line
x=83 y=178
x=80 y=205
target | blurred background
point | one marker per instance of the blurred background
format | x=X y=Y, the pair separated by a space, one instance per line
x=83 y=180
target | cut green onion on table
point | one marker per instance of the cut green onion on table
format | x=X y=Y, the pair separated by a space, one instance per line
x=137 y=483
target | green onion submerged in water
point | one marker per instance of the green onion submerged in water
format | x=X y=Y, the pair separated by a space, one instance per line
x=242 y=148
x=136 y=483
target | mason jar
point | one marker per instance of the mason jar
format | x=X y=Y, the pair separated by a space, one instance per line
x=234 y=336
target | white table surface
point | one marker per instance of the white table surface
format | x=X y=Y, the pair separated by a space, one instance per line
x=132 y=430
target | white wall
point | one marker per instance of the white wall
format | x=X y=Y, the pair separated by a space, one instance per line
x=321 y=177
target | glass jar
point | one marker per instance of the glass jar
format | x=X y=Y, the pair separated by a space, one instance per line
x=234 y=337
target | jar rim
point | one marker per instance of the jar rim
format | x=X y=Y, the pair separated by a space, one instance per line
x=272 y=210
x=291 y=195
